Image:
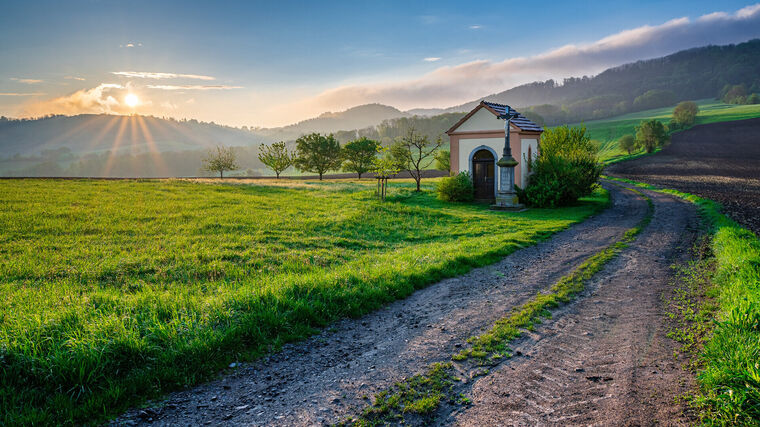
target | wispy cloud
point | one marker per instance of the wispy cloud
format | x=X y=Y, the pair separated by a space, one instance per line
x=27 y=81
x=81 y=79
x=475 y=27
x=450 y=85
x=103 y=98
x=158 y=76
x=21 y=94
x=432 y=59
x=193 y=87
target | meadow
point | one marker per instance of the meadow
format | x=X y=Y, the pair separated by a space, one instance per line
x=608 y=131
x=119 y=291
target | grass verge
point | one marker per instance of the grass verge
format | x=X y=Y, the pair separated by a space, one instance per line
x=119 y=291
x=729 y=374
x=422 y=394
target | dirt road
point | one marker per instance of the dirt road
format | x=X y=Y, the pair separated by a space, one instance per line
x=602 y=359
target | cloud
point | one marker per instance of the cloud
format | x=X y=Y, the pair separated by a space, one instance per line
x=432 y=59
x=21 y=94
x=130 y=45
x=451 y=85
x=157 y=76
x=81 y=79
x=193 y=87
x=475 y=27
x=27 y=81
x=103 y=98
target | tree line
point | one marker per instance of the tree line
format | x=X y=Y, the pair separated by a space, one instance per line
x=316 y=153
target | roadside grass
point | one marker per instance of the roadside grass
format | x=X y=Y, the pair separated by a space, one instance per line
x=608 y=131
x=729 y=374
x=437 y=385
x=119 y=291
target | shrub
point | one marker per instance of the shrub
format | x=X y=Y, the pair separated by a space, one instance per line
x=565 y=169
x=627 y=142
x=685 y=113
x=651 y=134
x=457 y=188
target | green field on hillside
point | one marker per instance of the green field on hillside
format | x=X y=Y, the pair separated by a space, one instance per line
x=608 y=131
x=116 y=291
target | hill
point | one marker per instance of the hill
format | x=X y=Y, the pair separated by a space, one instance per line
x=116 y=146
x=608 y=131
x=96 y=133
x=689 y=74
x=359 y=117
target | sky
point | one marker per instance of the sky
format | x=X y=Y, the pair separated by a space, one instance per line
x=270 y=63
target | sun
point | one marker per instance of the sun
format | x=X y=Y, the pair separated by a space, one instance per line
x=131 y=100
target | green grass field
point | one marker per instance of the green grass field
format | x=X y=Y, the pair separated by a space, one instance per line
x=118 y=291
x=608 y=131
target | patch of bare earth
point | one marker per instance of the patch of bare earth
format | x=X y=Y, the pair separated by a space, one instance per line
x=615 y=330
x=719 y=161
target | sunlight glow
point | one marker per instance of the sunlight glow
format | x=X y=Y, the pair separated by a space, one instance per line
x=131 y=100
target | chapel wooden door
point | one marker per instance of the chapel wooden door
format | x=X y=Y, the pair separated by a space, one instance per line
x=483 y=175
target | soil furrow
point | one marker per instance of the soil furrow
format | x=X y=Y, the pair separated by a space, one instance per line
x=325 y=378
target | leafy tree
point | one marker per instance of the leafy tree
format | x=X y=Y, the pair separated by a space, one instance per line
x=276 y=157
x=651 y=134
x=735 y=94
x=685 y=113
x=565 y=169
x=317 y=153
x=654 y=98
x=219 y=160
x=359 y=155
x=414 y=153
x=443 y=160
x=627 y=143
x=384 y=166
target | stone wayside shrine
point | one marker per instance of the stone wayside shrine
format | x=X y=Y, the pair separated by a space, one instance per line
x=479 y=137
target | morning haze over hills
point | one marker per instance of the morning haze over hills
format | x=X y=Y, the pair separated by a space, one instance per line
x=128 y=146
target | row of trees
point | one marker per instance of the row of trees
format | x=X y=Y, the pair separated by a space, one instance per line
x=319 y=154
x=738 y=94
x=652 y=134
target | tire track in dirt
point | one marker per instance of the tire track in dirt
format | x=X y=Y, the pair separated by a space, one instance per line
x=326 y=377
x=604 y=359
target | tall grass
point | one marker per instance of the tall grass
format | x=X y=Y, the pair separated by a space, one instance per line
x=730 y=378
x=118 y=291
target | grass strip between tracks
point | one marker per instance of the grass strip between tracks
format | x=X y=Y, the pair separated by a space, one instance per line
x=729 y=362
x=421 y=395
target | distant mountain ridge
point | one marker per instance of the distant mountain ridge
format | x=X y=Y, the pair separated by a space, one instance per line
x=358 y=117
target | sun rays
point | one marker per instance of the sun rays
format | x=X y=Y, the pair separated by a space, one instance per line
x=138 y=133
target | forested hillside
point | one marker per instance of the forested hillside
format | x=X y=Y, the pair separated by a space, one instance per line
x=690 y=74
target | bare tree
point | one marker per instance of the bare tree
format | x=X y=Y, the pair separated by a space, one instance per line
x=414 y=153
x=220 y=159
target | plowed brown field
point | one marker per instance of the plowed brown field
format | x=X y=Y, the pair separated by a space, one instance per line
x=719 y=161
